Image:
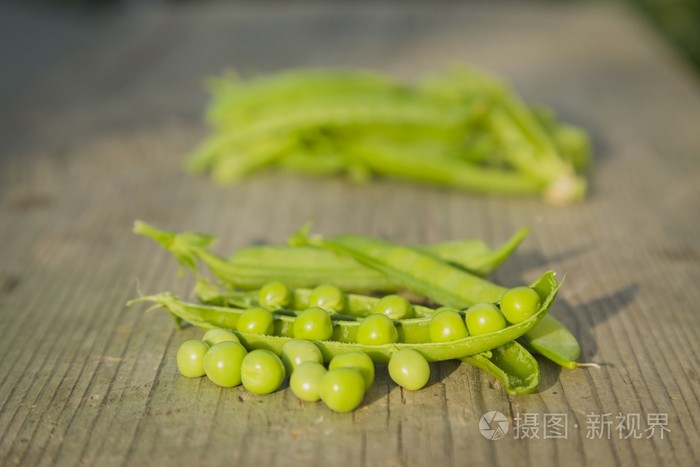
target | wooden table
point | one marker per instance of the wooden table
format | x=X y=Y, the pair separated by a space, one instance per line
x=94 y=133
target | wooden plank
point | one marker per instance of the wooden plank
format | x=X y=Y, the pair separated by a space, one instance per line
x=83 y=379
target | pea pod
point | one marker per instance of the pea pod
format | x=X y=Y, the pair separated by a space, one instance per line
x=357 y=305
x=443 y=283
x=553 y=340
x=512 y=365
x=211 y=317
x=253 y=267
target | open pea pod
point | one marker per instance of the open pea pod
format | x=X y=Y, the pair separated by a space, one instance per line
x=443 y=283
x=211 y=317
x=355 y=304
x=512 y=365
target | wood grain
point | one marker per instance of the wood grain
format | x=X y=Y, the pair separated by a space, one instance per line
x=98 y=139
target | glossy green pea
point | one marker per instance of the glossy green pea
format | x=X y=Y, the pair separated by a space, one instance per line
x=483 y=318
x=313 y=324
x=377 y=330
x=256 y=321
x=409 y=369
x=394 y=306
x=214 y=336
x=190 y=358
x=342 y=389
x=328 y=297
x=274 y=295
x=359 y=361
x=447 y=326
x=519 y=303
x=305 y=382
x=297 y=351
x=262 y=372
x=222 y=363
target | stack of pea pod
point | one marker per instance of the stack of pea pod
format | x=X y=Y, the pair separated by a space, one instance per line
x=460 y=128
x=340 y=296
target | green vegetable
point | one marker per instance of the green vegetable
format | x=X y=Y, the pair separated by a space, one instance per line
x=190 y=358
x=222 y=363
x=394 y=306
x=255 y=267
x=512 y=365
x=207 y=316
x=214 y=336
x=297 y=351
x=482 y=318
x=409 y=369
x=377 y=329
x=262 y=372
x=551 y=339
x=439 y=281
x=447 y=326
x=460 y=128
x=274 y=295
x=305 y=382
x=313 y=324
x=342 y=389
x=359 y=361
x=328 y=297
x=519 y=303
x=256 y=321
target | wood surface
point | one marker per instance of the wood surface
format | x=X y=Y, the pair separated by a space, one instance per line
x=93 y=135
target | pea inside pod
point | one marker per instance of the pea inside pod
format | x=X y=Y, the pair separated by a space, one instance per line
x=209 y=317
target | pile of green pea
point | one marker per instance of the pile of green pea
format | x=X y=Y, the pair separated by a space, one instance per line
x=342 y=385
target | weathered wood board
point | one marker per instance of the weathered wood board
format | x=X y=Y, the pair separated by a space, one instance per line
x=98 y=137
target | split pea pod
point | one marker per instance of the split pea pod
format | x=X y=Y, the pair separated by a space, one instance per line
x=212 y=317
x=355 y=304
x=442 y=283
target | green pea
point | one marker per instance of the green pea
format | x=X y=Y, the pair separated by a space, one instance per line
x=313 y=324
x=519 y=304
x=328 y=297
x=222 y=363
x=342 y=389
x=274 y=295
x=484 y=318
x=305 y=382
x=297 y=351
x=262 y=372
x=359 y=361
x=256 y=321
x=409 y=369
x=447 y=326
x=216 y=335
x=190 y=358
x=394 y=306
x=377 y=330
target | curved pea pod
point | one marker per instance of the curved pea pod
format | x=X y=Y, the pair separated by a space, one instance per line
x=356 y=304
x=554 y=341
x=209 y=317
x=441 y=282
x=512 y=365
x=413 y=269
x=253 y=267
